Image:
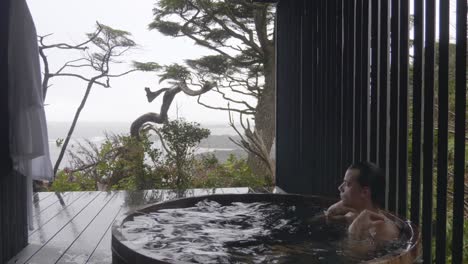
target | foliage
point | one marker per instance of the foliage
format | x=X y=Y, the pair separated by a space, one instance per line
x=450 y=149
x=449 y=240
x=126 y=163
x=180 y=139
x=66 y=182
x=209 y=173
x=119 y=158
x=59 y=142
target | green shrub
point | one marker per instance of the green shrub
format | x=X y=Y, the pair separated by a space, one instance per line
x=67 y=181
x=235 y=172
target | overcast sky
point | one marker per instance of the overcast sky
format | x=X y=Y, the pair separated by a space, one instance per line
x=126 y=100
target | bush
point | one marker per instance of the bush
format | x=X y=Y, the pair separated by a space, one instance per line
x=67 y=181
x=126 y=163
x=209 y=173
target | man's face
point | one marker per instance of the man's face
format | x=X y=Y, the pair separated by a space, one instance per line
x=351 y=192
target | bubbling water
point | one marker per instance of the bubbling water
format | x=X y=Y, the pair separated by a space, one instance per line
x=246 y=233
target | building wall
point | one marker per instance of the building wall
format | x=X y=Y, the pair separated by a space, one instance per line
x=13 y=215
x=13 y=218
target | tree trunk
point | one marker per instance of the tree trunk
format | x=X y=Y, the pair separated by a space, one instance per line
x=265 y=116
x=72 y=127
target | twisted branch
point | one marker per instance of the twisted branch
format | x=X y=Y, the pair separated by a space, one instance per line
x=169 y=94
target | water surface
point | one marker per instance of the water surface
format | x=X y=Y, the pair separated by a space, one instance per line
x=246 y=233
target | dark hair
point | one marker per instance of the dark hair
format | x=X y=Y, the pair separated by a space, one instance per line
x=370 y=175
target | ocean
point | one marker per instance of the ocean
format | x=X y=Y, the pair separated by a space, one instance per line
x=218 y=142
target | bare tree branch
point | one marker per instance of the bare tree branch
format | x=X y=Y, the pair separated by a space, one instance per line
x=205 y=88
x=246 y=112
x=161 y=139
x=81 y=46
x=121 y=74
x=253 y=143
x=235 y=101
x=68 y=64
x=105 y=85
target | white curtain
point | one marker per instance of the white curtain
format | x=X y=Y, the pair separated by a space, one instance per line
x=28 y=130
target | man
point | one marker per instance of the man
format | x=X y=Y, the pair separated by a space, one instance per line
x=362 y=192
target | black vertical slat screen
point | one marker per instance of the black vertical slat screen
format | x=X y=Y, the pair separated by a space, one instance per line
x=340 y=84
x=287 y=101
x=326 y=83
x=332 y=93
x=348 y=53
x=307 y=111
x=402 y=169
x=375 y=79
x=372 y=93
x=417 y=111
x=315 y=69
x=4 y=118
x=460 y=134
x=394 y=87
x=358 y=81
x=320 y=83
x=384 y=79
x=442 y=132
x=429 y=63
x=350 y=78
x=341 y=87
x=353 y=70
x=365 y=80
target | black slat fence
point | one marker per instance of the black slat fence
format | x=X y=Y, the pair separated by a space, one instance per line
x=383 y=81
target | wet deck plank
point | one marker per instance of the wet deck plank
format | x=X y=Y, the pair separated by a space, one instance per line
x=78 y=230
x=47 y=202
x=43 y=217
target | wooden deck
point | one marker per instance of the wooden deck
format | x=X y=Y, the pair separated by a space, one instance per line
x=74 y=227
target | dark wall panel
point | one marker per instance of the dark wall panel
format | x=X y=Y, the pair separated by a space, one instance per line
x=5 y=161
x=13 y=228
x=13 y=214
x=288 y=105
x=309 y=43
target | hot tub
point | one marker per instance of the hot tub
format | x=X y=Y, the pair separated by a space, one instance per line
x=124 y=251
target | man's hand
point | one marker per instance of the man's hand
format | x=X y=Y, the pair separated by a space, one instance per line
x=339 y=212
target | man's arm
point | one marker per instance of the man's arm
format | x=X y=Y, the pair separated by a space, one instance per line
x=336 y=213
x=373 y=225
x=339 y=212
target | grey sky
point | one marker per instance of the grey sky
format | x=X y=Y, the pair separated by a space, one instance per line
x=125 y=101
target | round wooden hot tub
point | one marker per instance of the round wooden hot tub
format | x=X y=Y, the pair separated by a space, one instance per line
x=122 y=253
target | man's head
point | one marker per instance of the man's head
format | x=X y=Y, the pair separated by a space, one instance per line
x=363 y=183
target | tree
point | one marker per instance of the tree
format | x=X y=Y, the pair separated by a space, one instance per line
x=106 y=46
x=241 y=35
x=179 y=139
